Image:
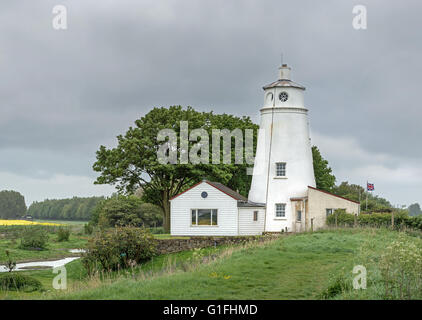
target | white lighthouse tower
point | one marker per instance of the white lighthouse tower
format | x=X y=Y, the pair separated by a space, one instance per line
x=283 y=167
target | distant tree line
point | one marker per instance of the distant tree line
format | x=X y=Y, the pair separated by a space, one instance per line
x=12 y=205
x=64 y=209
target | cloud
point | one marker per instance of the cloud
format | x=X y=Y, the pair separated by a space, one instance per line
x=64 y=93
x=351 y=162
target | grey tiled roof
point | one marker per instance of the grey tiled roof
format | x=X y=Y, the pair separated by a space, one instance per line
x=250 y=204
x=241 y=200
x=227 y=190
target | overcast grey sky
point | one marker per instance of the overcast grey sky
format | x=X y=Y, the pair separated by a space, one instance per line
x=64 y=93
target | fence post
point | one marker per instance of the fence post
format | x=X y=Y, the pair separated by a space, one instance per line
x=312 y=224
x=356 y=220
x=392 y=219
x=336 y=218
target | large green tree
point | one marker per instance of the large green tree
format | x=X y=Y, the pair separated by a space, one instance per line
x=134 y=164
x=12 y=205
x=324 y=177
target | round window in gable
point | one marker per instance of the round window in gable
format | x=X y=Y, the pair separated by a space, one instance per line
x=204 y=194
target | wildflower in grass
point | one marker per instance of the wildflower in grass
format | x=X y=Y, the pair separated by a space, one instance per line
x=214 y=275
x=227 y=277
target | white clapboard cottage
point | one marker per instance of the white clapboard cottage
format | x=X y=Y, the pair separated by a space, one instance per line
x=211 y=208
x=283 y=194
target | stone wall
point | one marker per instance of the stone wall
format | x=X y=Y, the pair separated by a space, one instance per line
x=176 y=245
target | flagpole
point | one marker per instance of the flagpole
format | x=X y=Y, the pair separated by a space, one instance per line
x=360 y=202
x=366 y=195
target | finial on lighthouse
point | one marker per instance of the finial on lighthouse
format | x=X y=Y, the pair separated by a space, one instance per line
x=284 y=72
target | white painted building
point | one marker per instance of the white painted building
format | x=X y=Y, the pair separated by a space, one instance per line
x=212 y=209
x=282 y=195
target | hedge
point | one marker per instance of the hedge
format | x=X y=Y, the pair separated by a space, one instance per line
x=376 y=220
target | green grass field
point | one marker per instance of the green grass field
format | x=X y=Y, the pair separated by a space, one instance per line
x=300 y=266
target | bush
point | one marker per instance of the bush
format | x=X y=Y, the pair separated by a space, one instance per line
x=63 y=234
x=16 y=281
x=118 y=248
x=88 y=229
x=33 y=238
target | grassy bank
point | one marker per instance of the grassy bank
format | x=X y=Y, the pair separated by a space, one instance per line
x=294 y=267
x=302 y=266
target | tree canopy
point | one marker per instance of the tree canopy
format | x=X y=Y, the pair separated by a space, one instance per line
x=134 y=164
x=325 y=179
x=12 y=205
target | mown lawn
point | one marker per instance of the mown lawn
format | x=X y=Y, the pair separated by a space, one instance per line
x=293 y=267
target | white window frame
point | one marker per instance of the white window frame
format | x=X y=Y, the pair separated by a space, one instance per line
x=196 y=215
x=255 y=214
x=278 y=170
x=283 y=206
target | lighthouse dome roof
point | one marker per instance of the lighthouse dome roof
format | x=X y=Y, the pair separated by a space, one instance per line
x=284 y=83
x=284 y=79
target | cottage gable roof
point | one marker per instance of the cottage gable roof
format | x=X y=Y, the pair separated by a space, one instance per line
x=227 y=190
x=241 y=200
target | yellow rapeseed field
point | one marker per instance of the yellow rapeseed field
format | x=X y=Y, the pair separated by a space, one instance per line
x=25 y=223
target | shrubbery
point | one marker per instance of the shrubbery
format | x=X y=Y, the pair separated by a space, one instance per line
x=118 y=248
x=158 y=230
x=401 y=266
x=63 y=234
x=17 y=281
x=374 y=220
x=33 y=238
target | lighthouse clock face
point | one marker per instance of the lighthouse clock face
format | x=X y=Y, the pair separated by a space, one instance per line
x=283 y=96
